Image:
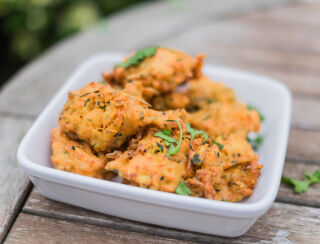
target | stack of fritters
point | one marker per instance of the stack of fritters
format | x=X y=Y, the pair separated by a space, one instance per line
x=159 y=123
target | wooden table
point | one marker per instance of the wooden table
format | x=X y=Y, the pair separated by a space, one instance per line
x=279 y=38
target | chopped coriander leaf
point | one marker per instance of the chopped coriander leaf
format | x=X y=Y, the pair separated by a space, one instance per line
x=313 y=178
x=250 y=107
x=175 y=149
x=170 y=140
x=301 y=186
x=220 y=146
x=205 y=136
x=86 y=102
x=182 y=189
x=193 y=132
x=160 y=146
x=255 y=142
x=139 y=56
x=196 y=159
x=85 y=94
x=165 y=137
x=167 y=132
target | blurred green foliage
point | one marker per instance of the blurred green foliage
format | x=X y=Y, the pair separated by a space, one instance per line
x=27 y=27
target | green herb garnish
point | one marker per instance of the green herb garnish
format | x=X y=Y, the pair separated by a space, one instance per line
x=160 y=146
x=165 y=137
x=182 y=189
x=167 y=132
x=175 y=149
x=169 y=141
x=139 y=56
x=86 y=102
x=220 y=146
x=196 y=159
x=193 y=132
x=250 y=107
x=206 y=137
x=301 y=186
x=255 y=142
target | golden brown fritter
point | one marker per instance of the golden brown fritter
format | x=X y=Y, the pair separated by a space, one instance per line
x=159 y=74
x=76 y=157
x=239 y=181
x=208 y=167
x=219 y=119
x=147 y=165
x=229 y=174
x=105 y=118
x=202 y=92
x=172 y=100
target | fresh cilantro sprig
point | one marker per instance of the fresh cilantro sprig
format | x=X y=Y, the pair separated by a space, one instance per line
x=255 y=142
x=193 y=132
x=301 y=186
x=138 y=57
x=250 y=107
x=165 y=134
x=182 y=189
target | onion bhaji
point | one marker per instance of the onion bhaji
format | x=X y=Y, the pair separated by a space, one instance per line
x=147 y=165
x=160 y=124
x=223 y=119
x=76 y=157
x=160 y=73
x=105 y=118
x=203 y=91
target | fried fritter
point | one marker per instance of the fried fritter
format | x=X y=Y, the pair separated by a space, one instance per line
x=239 y=181
x=159 y=74
x=76 y=157
x=147 y=165
x=172 y=100
x=202 y=92
x=219 y=119
x=229 y=174
x=208 y=167
x=105 y=118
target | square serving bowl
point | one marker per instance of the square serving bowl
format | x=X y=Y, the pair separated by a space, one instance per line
x=171 y=210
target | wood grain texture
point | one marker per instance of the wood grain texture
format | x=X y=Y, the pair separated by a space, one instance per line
x=35 y=229
x=304 y=145
x=271 y=42
x=279 y=222
x=13 y=184
x=125 y=31
x=286 y=193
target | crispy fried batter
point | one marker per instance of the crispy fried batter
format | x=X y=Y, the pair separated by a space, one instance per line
x=219 y=119
x=159 y=74
x=172 y=100
x=76 y=157
x=105 y=118
x=147 y=165
x=202 y=92
x=229 y=174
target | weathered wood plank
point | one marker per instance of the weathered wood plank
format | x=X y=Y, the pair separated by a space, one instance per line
x=269 y=42
x=306 y=113
x=35 y=229
x=304 y=145
x=13 y=184
x=125 y=31
x=281 y=223
x=295 y=170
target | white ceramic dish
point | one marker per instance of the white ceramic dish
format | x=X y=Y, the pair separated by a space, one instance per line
x=189 y=213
